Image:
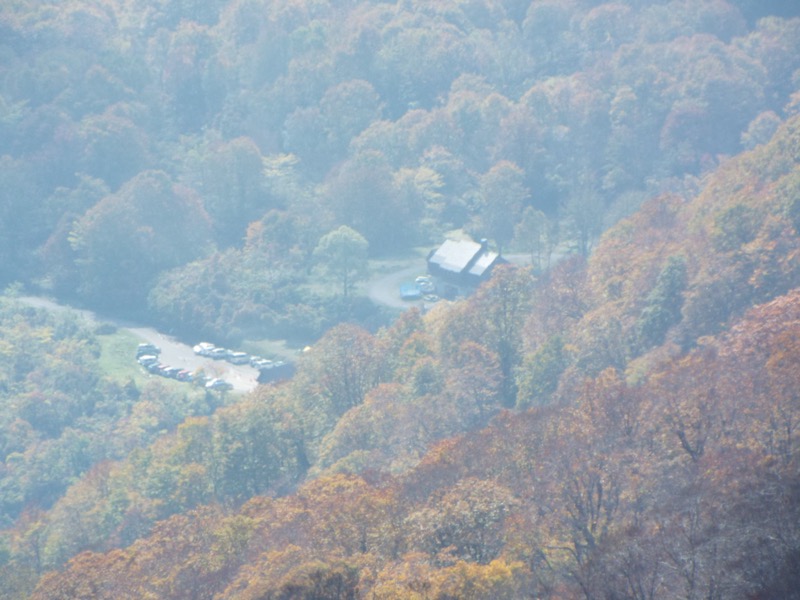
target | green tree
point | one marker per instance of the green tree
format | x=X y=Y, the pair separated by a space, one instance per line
x=20 y=217
x=114 y=148
x=494 y=318
x=361 y=194
x=539 y=374
x=127 y=238
x=347 y=109
x=343 y=254
x=664 y=303
x=231 y=178
x=503 y=192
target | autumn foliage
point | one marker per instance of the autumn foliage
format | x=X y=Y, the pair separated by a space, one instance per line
x=662 y=463
x=621 y=422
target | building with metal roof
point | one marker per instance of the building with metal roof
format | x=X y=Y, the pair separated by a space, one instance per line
x=463 y=263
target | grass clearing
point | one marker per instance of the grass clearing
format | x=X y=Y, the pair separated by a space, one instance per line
x=118 y=356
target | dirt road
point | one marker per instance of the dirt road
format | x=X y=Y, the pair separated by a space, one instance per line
x=173 y=352
x=385 y=289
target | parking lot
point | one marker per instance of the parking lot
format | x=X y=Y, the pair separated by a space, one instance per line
x=175 y=354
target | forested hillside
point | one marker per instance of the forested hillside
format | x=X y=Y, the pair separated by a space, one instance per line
x=642 y=444
x=619 y=420
x=180 y=161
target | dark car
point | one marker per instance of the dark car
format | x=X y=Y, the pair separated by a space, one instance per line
x=171 y=372
x=147 y=349
x=219 y=384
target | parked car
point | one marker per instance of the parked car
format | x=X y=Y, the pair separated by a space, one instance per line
x=218 y=353
x=147 y=349
x=426 y=287
x=147 y=359
x=218 y=384
x=185 y=375
x=262 y=363
x=410 y=291
x=171 y=372
x=203 y=348
x=238 y=358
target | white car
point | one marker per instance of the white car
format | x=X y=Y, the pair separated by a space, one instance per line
x=147 y=359
x=217 y=353
x=203 y=348
x=238 y=358
x=262 y=363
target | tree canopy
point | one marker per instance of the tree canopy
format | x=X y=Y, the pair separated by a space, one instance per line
x=620 y=422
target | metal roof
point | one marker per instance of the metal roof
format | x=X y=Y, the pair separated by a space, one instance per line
x=484 y=262
x=455 y=255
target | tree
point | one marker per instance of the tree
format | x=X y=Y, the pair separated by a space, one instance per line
x=318 y=581
x=494 y=318
x=114 y=148
x=760 y=130
x=361 y=194
x=536 y=234
x=332 y=378
x=249 y=454
x=546 y=29
x=583 y=210
x=127 y=238
x=419 y=192
x=232 y=181
x=304 y=135
x=343 y=254
x=346 y=110
x=466 y=519
x=664 y=303
x=475 y=381
x=503 y=192
x=540 y=372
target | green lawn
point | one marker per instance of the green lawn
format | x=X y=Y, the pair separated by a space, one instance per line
x=118 y=356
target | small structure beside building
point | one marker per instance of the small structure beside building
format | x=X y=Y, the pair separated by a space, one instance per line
x=463 y=263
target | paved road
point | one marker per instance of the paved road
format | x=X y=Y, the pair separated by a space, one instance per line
x=173 y=352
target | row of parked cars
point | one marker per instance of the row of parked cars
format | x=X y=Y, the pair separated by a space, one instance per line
x=147 y=355
x=235 y=357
